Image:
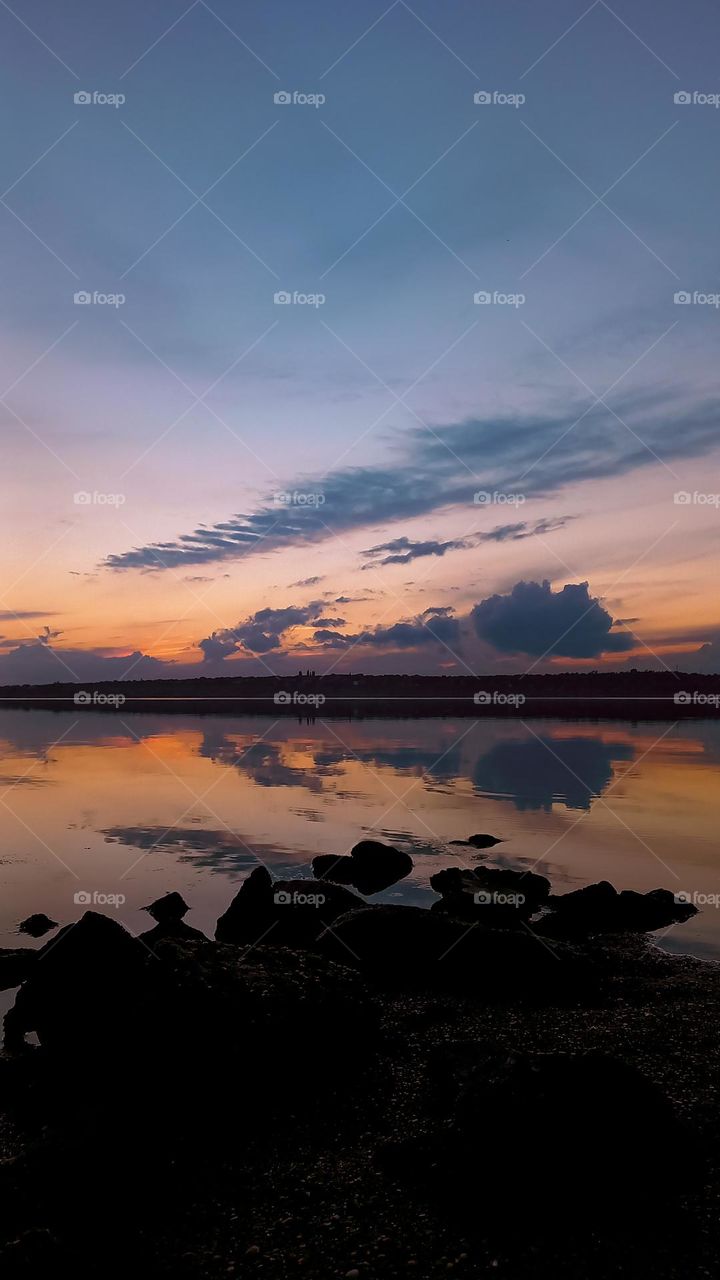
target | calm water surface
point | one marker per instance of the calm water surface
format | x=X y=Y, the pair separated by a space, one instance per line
x=114 y=803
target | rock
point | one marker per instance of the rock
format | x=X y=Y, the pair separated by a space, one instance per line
x=489 y=894
x=480 y=841
x=338 y=868
x=575 y=1114
x=84 y=982
x=283 y=913
x=16 y=964
x=36 y=925
x=171 y=929
x=599 y=908
x=409 y=946
x=370 y=866
x=171 y=907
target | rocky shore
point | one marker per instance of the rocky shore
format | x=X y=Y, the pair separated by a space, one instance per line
x=512 y=1083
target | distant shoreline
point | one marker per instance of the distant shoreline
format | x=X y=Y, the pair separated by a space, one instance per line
x=643 y=695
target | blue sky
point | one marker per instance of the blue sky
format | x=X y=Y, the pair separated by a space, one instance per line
x=397 y=199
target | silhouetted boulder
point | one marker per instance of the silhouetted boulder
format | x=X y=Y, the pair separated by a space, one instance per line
x=171 y=929
x=37 y=925
x=85 y=983
x=283 y=913
x=481 y=841
x=592 y=1110
x=489 y=895
x=599 y=908
x=170 y=907
x=336 y=867
x=370 y=866
x=402 y=946
x=16 y=964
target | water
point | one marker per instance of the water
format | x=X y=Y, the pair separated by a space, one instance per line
x=117 y=804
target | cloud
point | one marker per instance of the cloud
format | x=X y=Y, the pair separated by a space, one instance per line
x=517 y=532
x=433 y=471
x=404 y=550
x=15 y=615
x=47 y=636
x=37 y=662
x=434 y=626
x=533 y=619
x=262 y=632
x=309 y=582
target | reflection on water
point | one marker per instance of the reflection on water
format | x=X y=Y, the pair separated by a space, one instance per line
x=132 y=805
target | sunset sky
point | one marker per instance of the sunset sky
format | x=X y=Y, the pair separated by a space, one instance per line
x=381 y=473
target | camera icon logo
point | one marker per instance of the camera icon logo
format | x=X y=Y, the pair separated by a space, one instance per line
x=483 y=897
x=82 y=97
x=682 y=298
x=482 y=699
x=282 y=97
x=482 y=98
x=282 y=898
x=682 y=699
x=82 y=499
x=482 y=298
x=82 y=898
x=282 y=698
x=682 y=498
x=82 y=698
x=682 y=97
x=82 y=298
x=282 y=298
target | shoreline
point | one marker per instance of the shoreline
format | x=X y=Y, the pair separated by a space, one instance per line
x=341 y=1090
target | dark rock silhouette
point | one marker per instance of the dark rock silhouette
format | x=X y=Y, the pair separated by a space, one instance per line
x=599 y=908
x=168 y=911
x=409 y=946
x=170 y=907
x=283 y=913
x=588 y=1104
x=16 y=964
x=480 y=841
x=495 y=896
x=84 y=981
x=36 y=925
x=370 y=867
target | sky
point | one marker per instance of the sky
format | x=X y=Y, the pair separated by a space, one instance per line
x=358 y=337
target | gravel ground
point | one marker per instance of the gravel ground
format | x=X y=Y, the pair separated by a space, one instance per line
x=306 y=1193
